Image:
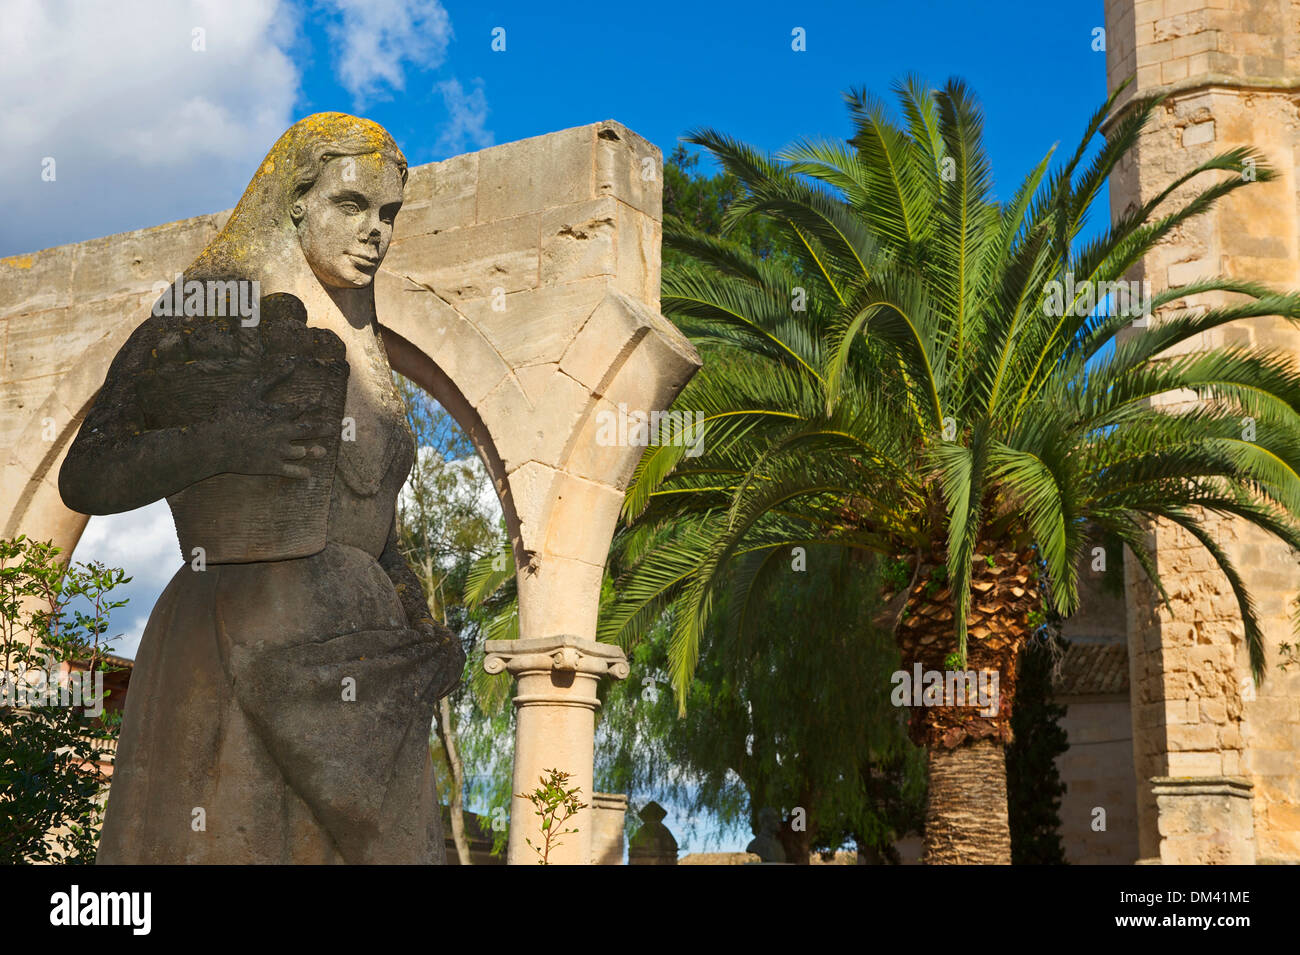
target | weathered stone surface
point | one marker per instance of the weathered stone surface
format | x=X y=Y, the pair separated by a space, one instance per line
x=287 y=677
x=532 y=174
x=536 y=326
x=638 y=273
x=629 y=167
x=578 y=241
x=37 y=282
x=441 y=332
x=1229 y=65
x=128 y=264
x=1205 y=820
x=473 y=262
x=538 y=433
x=520 y=329
x=441 y=196
x=608 y=812
x=581 y=511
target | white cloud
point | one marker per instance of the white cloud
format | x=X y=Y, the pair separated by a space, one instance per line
x=466 y=119
x=143 y=128
x=376 y=39
x=142 y=543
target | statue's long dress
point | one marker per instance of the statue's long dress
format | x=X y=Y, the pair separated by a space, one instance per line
x=279 y=712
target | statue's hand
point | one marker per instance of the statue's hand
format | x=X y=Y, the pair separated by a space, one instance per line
x=257 y=400
x=267 y=437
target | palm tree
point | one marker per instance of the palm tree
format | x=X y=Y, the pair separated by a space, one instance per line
x=942 y=380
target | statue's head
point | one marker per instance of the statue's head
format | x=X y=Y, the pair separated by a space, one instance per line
x=347 y=190
x=328 y=191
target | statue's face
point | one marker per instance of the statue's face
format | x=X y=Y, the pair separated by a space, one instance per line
x=345 y=221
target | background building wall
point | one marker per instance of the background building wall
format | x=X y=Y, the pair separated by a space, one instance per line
x=1098 y=814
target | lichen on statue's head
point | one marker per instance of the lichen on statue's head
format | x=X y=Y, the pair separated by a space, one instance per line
x=267 y=231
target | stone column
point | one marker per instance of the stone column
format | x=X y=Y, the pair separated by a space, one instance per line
x=555 y=728
x=1228 y=69
x=1205 y=820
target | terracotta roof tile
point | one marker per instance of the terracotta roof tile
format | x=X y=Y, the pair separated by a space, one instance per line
x=1092 y=668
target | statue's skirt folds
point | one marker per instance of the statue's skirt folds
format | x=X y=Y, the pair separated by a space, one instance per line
x=278 y=713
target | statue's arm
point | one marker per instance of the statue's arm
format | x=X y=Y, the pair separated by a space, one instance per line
x=404 y=581
x=118 y=463
x=115 y=464
x=418 y=616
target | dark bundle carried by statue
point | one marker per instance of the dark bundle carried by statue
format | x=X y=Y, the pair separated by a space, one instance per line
x=219 y=367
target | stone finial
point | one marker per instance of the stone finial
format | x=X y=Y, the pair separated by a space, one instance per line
x=652 y=844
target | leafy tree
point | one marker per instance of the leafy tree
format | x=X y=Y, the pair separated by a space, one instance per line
x=791 y=714
x=755 y=734
x=700 y=202
x=1034 y=786
x=951 y=382
x=445 y=524
x=55 y=740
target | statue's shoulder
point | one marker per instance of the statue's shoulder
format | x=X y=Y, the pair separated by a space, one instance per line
x=135 y=352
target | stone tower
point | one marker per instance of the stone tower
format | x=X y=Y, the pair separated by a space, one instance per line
x=1217 y=761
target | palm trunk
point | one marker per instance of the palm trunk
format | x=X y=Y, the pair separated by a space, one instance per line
x=448 y=735
x=966 y=810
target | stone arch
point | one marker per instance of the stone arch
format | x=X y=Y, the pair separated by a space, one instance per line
x=36 y=508
x=521 y=290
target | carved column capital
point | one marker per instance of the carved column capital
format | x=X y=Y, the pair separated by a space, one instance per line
x=562 y=670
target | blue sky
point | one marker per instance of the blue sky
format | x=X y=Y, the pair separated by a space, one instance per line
x=664 y=68
x=150 y=121
x=145 y=129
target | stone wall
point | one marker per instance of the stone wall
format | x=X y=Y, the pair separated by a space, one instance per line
x=1092 y=683
x=1231 y=69
x=1097 y=771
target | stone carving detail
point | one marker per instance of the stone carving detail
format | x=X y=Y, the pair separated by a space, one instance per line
x=287 y=678
x=653 y=843
x=564 y=656
x=529 y=378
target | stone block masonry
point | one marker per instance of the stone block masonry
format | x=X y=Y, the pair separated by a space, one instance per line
x=1231 y=69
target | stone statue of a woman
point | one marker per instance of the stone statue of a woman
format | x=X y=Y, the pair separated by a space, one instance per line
x=284 y=687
